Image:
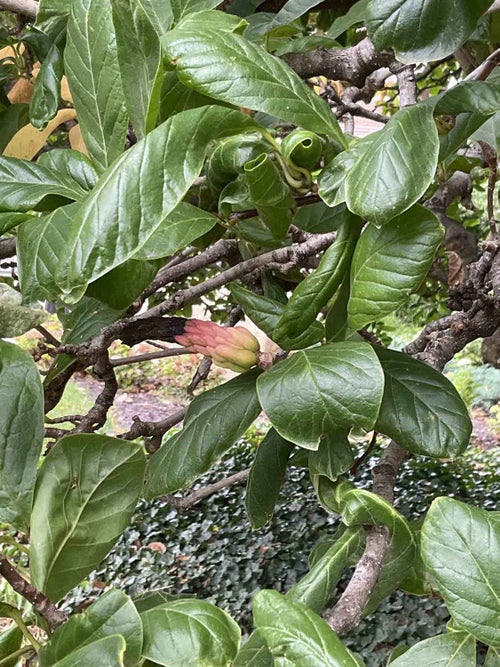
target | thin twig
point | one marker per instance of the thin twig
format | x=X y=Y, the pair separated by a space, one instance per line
x=48 y=336
x=182 y=504
x=148 y=356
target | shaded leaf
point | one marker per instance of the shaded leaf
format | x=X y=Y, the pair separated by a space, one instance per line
x=266 y=477
x=314 y=391
x=333 y=456
x=11 y=120
x=121 y=286
x=46 y=96
x=390 y=262
x=454 y=649
x=207 y=433
x=460 y=546
x=21 y=433
x=86 y=491
x=10 y=641
x=474 y=96
x=421 y=409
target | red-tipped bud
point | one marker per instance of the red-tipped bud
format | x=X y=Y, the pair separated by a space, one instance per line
x=234 y=348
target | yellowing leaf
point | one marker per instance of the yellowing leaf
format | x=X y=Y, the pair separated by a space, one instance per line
x=28 y=141
x=20 y=92
x=76 y=140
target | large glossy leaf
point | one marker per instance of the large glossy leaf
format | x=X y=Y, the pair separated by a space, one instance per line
x=86 y=491
x=365 y=508
x=314 y=391
x=397 y=167
x=314 y=292
x=297 y=636
x=91 y=64
x=213 y=422
x=72 y=165
x=41 y=244
x=421 y=409
x=46 y=96
x=423 y=30
x=455 y=649
x=106 y=652
x=317 y=586
x=24 y=185
x=112 y=614
x=190 y=632
x=237 y=71
x=460 y=546
x=184 y=7
x=139 y=56
x=21 y=433
x=132 y=199
x=265 y=313
x=390 y=262
x=266 y=477
x=160 y=14
x=185 y=224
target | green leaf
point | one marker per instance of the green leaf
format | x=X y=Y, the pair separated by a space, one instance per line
x=291 y=10
x=237 y=71
x=24 y=185
x=421 y=409
x=336 y=328
x=10 y=641
x=46 y=96
x=182 y=8
x=270 y=195
x=314 y=292
x=21 y=433
x=266 y=477
x=302 y=149
x=254 y=653
x=492 y=658
x=475 y=96
x=190 y=632
x=121 y=286
x=365 y=508
x=454 y=649
x=397 y=167
x=16 y=319
x=213 y=422
x=73 y=166
x=334 y=386
x=139 y=56
x=489 y=131
x=356 y=14
x=109 y=229
x=86 y=491
x=10 y=220
x=40 y=245
x=112 y=614
x=465 y=125
x=319 y=218
x=175 y=97
x=106 y=652
x=12 y=119
x=317 y=586
x=266 y=312
x=297 y=636
x=91 y=64
x=53 y=15
x=416 y=581
x=390 y=262
x=184 y=225
x=460 y=546
x=421 y=30
x=333 y=456
x=160 y=14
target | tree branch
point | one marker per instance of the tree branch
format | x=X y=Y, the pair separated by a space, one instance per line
x=182 y=504
x=24 y=7
x=40 y=602
x=7 y=247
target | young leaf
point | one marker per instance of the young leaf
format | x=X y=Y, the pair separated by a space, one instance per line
x=265 y=313
x=190 y=632
x=24 y=185
x=333 y=456
x=397 y=167
x=47 y=91
x=86 y=491
x=237 y=71
x=334 y=386
x=421 y=30
x=155 y=174
x=266 y=477
x=390 y=262
x=21 y=433
x=314 y=292
x=454 y=649
x=421 y=409
x=295 y=633
x=113 y=613
x=460 y=546
x=213 y=422
x=317 y=586
x=139 y=56
x=91 y=64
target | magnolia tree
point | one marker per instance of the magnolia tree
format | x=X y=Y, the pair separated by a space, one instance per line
x=214 y=154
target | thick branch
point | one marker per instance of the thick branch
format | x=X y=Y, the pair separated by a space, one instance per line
x=24 y=7
x=353 y=64
x=40 y=602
